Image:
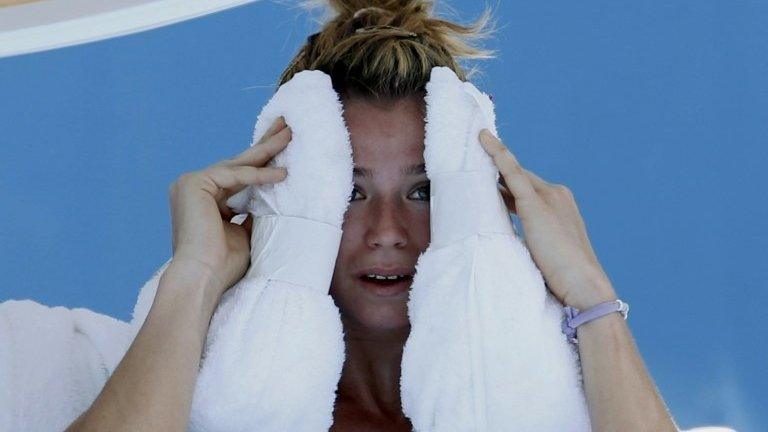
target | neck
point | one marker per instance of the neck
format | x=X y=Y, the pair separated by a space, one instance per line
x=370 y=378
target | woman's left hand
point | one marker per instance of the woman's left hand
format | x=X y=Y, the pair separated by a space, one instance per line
x=554 y=231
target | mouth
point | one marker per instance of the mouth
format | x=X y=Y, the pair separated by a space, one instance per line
x=386 y=283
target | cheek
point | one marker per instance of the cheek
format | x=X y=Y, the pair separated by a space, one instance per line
x=419 y=227
x=353 y=229
x=422 y=225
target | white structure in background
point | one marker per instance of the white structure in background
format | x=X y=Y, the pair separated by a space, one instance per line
x=28 y=26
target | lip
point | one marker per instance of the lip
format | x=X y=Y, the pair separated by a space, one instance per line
x=390 y=271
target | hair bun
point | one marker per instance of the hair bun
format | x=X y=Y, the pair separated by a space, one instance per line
x=386 y=47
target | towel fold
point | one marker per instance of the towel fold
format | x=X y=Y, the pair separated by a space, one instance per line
x=485 y=351
x=275 y=346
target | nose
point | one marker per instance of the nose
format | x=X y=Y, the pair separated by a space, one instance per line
x=387 y=228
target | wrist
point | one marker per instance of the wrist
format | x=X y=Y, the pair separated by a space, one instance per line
x=590 y=293
x=193 y=284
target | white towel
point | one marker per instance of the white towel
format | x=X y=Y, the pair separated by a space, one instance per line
x=275 y=346
x=54 y=362
x=485 y=350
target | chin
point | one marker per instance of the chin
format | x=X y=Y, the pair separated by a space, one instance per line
x=385 y=320
x=380 y=317
x=371 y=313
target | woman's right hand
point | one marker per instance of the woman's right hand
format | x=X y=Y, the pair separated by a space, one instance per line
x=202 y=234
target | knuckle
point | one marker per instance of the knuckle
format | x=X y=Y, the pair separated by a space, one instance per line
x=500 y=150
x=224 y=162
x=513 y=166
x=562 y=190
x=227 y=172
x=518 y=169
x=187 y=180
x=505 y=156
x=184 y=179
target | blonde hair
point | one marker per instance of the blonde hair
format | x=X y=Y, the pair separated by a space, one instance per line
x=384 y=49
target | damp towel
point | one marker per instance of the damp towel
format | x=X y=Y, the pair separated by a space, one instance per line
x=458 y=372
x=275 y=347
x=485 y=352
x=274 y=351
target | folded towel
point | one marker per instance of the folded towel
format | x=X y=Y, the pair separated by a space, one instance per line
x=275 y=346
x=485 y=351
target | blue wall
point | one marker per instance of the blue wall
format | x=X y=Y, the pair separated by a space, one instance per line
x=653 y=113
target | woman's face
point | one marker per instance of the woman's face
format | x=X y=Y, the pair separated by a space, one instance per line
x=386 y=226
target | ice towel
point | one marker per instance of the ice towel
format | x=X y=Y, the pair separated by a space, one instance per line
x=275 y=346
x=485 y=350
x=275 y=349
x=481 y=339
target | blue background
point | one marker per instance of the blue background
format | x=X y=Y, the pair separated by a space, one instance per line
x=653 y=113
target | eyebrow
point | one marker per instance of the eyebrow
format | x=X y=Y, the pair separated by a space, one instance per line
x=416 y=169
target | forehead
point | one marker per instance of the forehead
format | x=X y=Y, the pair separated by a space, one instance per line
x=390 y=132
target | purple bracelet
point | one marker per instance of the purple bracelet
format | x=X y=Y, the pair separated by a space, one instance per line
x=574 y=318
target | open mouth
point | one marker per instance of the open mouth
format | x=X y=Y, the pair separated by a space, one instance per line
x=387 y=285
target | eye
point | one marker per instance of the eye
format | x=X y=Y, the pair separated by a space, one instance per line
x=421 y=193
x=354 y=193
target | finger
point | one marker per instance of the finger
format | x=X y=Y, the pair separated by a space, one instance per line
x=539 y=184
x=544 y=187
x=260 y=154
x=221 y=179
x=228 y=181
x=277 y=125
x=514 y=177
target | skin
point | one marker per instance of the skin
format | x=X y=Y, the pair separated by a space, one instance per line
x=387 y=224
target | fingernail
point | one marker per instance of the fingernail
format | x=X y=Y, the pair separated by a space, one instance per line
x=278 y=122
x=484 y=134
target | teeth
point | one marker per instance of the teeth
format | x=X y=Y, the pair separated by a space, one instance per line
x=381 y=277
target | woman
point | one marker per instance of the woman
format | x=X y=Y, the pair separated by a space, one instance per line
x=379 y=55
